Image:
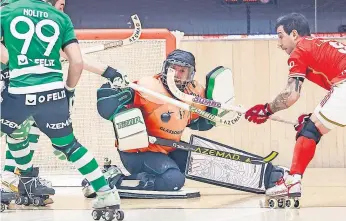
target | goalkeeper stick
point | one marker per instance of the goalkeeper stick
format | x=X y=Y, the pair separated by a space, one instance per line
x=206 y=102
x=214 y=152
x=117 y=43
x=183 y=105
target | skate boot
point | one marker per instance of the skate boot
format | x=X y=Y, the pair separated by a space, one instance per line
x=107 y=206
x=112 y=174
x=6 y=198
x=32 y=191
x=43 y=181
x=286 y=193
x=9 y=182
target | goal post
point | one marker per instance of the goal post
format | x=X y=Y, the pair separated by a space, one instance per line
x=142 y=58
x=118 y=34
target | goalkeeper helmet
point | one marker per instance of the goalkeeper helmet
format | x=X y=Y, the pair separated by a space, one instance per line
x=183 y=63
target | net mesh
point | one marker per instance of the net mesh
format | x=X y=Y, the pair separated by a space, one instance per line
x=143 y=58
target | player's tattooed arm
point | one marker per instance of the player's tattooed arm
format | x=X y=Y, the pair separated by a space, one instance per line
x=288 y=96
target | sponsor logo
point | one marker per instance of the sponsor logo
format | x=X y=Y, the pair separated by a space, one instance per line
x=45 y=62
x=129 y=122
x=30 y=99
x=22 y=60
x=171 y=131
x=202 y=113
x=5 y=74
x=326 y=98
x=234 y=120
x=59 y=126
x=52 y=96
x=206 y=102
x=165 y=117
x=10 y=124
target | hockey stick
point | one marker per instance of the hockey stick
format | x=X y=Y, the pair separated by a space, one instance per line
x=184 y=106
x=213 y=152
x=117 y=43
x=206 y=102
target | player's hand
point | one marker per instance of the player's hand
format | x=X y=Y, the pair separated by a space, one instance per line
x=70 y=97
x=301 y=120
x=116 y=78
x=120 y=82
x=258 y=114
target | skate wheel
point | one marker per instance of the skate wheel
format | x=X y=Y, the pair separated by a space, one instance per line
x=19 y=200
x=119 y=215
x=290 y=203
x=37 y=201
x=26 y=201
x=109 y=215
x=281 y=203
x=3 y=207
x=96 y=215
x=273 y=203
x=296 y=204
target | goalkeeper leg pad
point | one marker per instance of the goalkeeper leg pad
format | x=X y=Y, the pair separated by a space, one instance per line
x=130 y=129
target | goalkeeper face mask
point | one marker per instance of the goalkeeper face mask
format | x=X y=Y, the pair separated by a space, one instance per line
x=184 y=73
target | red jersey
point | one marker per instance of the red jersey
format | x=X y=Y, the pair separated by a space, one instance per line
x=318 y=60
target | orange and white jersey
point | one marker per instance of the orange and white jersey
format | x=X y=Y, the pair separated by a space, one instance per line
x=162 y=119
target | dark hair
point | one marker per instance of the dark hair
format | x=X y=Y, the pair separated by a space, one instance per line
x=294 y=21
x=52 y=2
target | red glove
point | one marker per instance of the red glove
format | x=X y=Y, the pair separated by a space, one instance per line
x=301 y=120
x=259 y=113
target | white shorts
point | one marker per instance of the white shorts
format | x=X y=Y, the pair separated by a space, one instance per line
x=332 y=109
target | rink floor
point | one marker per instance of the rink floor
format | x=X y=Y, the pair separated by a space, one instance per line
x=322 y=200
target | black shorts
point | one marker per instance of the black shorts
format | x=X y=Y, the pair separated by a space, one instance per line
x=49 y=109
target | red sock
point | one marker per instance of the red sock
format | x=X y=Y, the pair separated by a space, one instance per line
x=304 y=151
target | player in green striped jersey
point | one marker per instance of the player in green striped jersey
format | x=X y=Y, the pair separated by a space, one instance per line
x=34 y=33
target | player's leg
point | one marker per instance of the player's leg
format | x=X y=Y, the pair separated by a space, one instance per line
x=15 y=124
x=180 y=158
x=10 y=179
x=329 y=114
x=156 y=171
x=53 y=120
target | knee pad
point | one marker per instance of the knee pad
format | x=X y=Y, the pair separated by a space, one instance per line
x=171 y=180
x=22 y=132
x=310 y=131
x=64 y=152
x=160 y=166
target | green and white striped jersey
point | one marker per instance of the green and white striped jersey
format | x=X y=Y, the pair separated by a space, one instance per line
x=34 y=32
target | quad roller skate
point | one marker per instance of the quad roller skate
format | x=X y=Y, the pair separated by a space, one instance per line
x=286 y=193
x=107 y=206
x=112 y=174
x=32 y=191
x=6 y=198
x=9 y=181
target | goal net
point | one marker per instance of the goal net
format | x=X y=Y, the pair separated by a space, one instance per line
x=142 y=58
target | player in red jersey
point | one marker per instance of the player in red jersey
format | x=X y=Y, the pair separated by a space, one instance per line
x=317 y=60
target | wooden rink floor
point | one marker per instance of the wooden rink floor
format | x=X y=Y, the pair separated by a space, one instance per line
x=324 y=198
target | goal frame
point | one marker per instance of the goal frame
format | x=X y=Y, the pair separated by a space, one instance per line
x=119 y=34
x=109 y=35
